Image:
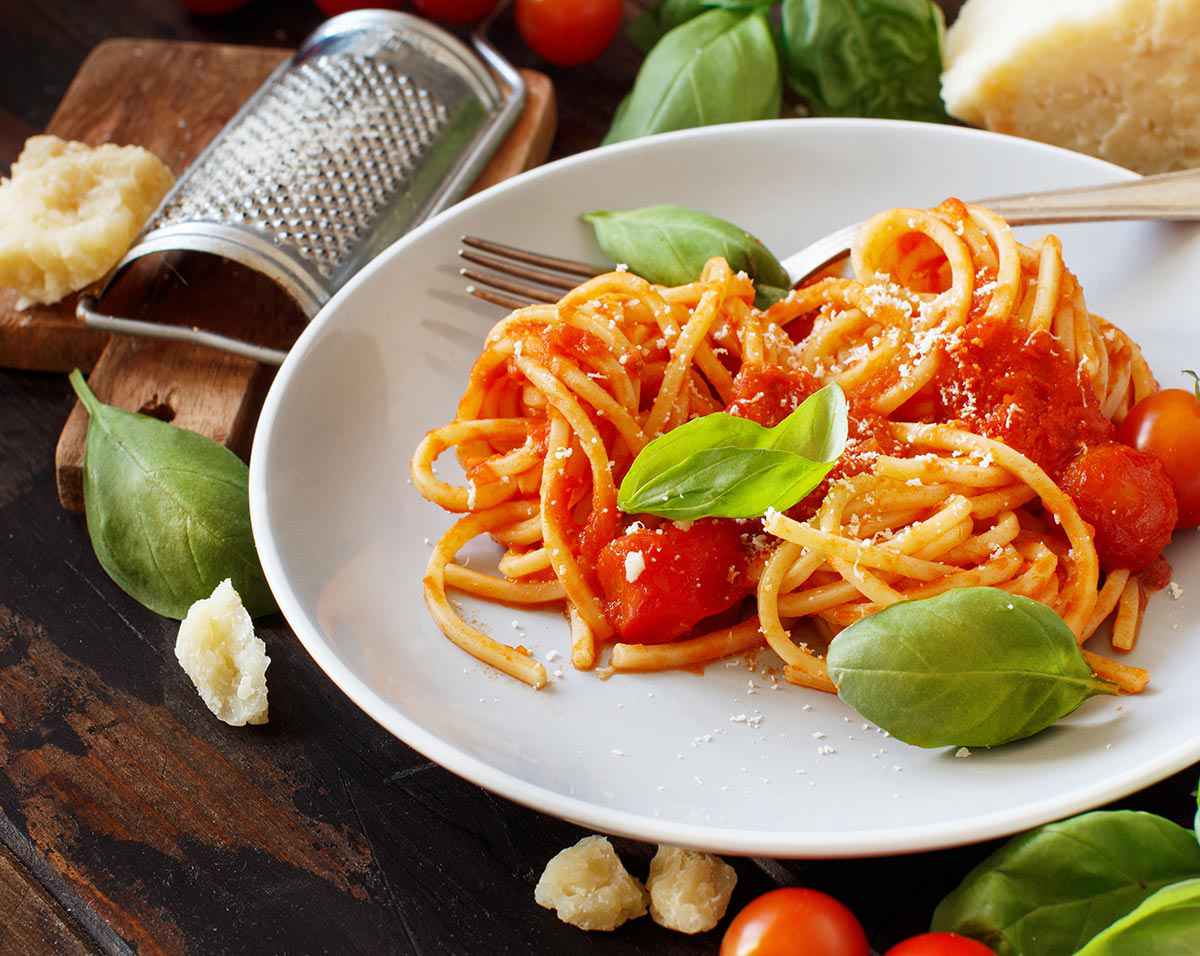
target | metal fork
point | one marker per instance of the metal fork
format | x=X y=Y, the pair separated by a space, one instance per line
x=1171 y=196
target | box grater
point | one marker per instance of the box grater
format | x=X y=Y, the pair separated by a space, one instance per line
x=379 y=121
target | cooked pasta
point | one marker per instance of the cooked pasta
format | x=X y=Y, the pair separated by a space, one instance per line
x=979 y=383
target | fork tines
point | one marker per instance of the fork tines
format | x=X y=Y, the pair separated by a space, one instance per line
x=552 y=274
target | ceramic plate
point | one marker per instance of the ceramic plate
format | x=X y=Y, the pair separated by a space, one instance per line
x=720 y=761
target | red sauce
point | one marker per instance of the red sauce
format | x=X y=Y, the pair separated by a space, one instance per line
x=689 y=575
x=769 y=395
x=1006 y=384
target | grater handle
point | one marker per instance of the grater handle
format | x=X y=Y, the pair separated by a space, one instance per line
x=87 y=313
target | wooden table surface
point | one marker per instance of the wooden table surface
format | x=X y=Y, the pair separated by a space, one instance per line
x=131 y=820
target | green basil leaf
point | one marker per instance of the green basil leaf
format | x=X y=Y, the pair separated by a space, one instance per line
x=649 y=26
x=974 y=667
x=1051 y=890
x=669 y=245
x=168 y=511
x=1166 y=924
x=866 y=57
x=719 y=67
x=724 y=466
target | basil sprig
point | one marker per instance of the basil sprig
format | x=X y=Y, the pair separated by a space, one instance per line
x=1051 y=890
x=729 y=467
x=168 y=511
x=719 y=67
x=866 y=57
x=669 y=245
x=1165 y=924
x=974 y=667
x=649 y=26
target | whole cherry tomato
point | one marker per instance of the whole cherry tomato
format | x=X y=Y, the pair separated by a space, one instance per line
x=331 y=8
x=569 y=32
x=795 y=922
x=940 y=944
x=455 y=11
x=206 y=8
x=1166 y=426
x=1126 y=496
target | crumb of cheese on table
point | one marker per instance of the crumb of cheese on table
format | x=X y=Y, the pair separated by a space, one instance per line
x=689 y=890
x=70 y=211
x=1119 y=79
x=587 y=885
x=218 y=650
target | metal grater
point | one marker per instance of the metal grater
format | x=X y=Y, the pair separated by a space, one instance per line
x=379 y=121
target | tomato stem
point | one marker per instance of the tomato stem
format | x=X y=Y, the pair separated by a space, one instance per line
x=1196 y=379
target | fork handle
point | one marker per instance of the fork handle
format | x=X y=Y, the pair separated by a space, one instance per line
x=1168 y=196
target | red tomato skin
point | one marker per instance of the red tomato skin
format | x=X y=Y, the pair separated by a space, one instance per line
x=455 y=11
x=688 y=575
x=208 y=8
x=1126 y=497
x=940 y=944
x=1166 y=425
x=795 y=922
x=569 y=32
x=331 y=8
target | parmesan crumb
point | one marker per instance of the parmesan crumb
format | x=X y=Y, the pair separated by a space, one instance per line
x=635 y=564
x=587 y=886
x=689 y=890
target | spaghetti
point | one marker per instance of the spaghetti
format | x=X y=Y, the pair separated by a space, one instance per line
x=978 y=381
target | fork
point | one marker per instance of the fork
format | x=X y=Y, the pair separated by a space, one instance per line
x=1170 y=196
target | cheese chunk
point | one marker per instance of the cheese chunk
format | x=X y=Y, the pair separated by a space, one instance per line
x=689 y=890
x=1119 y=79
x=217 y=649
x=70 y=211
x=588 y=887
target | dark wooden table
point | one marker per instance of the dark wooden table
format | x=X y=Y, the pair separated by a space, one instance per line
x=131 y=820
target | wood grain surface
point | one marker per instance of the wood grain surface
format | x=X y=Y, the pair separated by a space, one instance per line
x=135 y=822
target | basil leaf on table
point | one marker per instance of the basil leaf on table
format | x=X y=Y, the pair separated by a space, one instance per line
x=669 y=245
x=649 y=26
x=724 y=466
x=974 y=667
x=168 y=511
x=1051 y=890
x=866 y=57
x=720 y=67
x=1166 y=924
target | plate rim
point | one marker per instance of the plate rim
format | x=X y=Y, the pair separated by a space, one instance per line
x=783 y=844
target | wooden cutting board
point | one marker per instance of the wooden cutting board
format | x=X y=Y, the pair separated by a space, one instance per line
x=173 y=98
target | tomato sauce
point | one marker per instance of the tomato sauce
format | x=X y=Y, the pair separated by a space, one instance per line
x=659 y=583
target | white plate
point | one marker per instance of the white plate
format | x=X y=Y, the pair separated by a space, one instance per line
x=343 y=536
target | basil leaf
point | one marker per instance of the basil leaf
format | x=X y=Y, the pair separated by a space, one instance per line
x=669 y=245
x=724 y=466
x=1052 y=889
x=168 y=511
x=974 y=667
x=1166 y=924
x=649 y=26
x=720 y=67
x=866 y=57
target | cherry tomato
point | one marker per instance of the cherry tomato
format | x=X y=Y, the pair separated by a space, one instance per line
x=1126 y=497
x=940 y=944
x=569 y=32
x=455 y=11
x=1166 y=425
x=331 y=8
x=206 y=8
x=795 y=922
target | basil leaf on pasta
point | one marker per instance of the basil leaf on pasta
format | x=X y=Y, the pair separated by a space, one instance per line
x=718 y=67
x=974 y=667
x=866 y=57
x=669 y=245
x=729 y=467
